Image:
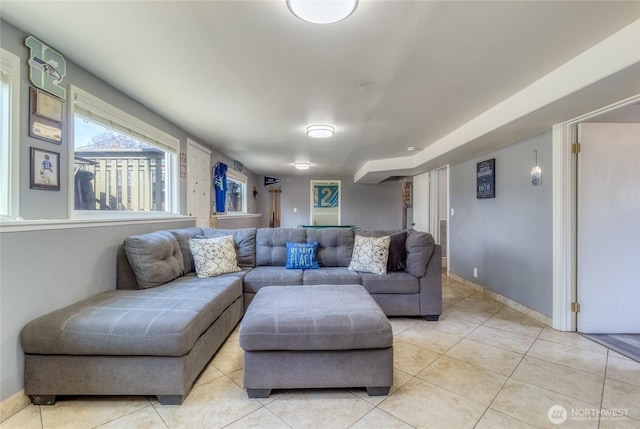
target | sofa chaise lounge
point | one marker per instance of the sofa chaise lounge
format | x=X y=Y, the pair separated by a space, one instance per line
x=155 y=333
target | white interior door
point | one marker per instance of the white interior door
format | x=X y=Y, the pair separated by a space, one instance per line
x=421 y=201
x=608 y=249
x=199 y=183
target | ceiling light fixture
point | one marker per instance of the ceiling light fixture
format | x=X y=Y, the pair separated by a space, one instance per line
x=320 y=131
x=322 y=11
x=301 y=165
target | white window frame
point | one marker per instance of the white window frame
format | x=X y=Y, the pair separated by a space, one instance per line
x=10 y=65
x=91 y=106
x=239 y=177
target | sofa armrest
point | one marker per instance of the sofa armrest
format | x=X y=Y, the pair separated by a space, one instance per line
x=431 y=285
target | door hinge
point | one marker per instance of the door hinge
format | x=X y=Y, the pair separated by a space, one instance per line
x=575 y=307
x=576 y=148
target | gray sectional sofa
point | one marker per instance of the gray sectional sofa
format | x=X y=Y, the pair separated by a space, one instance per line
x=155 y=333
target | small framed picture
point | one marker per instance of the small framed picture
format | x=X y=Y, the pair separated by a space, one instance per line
x=45 y=170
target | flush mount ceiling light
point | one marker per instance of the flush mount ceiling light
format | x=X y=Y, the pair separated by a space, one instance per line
x=322 y=11
x=320 y=131
x=301 y=165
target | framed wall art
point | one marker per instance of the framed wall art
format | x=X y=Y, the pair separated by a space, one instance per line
x=45 y=116
x=486 y=179
x=45 y=170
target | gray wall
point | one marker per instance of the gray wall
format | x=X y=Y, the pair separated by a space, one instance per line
x=508 y=238
x=41 y=271
x=366 y=206
x=38 y=204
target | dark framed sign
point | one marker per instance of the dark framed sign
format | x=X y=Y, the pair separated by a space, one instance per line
x=486 y=179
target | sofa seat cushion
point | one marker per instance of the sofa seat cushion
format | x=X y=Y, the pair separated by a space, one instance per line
x=268 y=276
x=394 y=283
x=162 y=321
x=324 y=317
x=332 y=276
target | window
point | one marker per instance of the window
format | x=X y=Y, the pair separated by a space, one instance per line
x=236 y=192
x=120 y=163
x=9 y=126
x=325 y=202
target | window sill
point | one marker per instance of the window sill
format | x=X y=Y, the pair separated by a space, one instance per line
x=17 y=225
x=236 y=216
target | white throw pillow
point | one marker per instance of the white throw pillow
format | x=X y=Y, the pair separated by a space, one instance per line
x=214 y=256
x=370 y=254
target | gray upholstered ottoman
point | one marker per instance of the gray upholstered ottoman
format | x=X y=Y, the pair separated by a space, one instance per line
x=316 y=337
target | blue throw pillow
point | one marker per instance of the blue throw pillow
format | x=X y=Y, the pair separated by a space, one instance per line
x=302 y=256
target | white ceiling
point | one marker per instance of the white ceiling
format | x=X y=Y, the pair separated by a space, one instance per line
x=247 y=77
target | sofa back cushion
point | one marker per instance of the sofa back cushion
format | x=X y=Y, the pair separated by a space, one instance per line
x=182 y=236
x=271 y=244
x=155 y=258
x=335 y=245
x=244 y=240
x=420 y=247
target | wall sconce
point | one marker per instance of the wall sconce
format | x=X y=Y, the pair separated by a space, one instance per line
x=255 y=192
x=536 y=172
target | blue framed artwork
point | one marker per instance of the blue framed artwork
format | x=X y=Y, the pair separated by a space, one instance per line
x=326 y=196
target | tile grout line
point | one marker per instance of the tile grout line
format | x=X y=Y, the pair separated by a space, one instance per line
x=604 y=382
x=509 y=378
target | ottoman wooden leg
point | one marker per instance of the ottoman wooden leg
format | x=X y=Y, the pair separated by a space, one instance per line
x=170 y=399
x=43 y=399
x=258 y=393
x=378 y=391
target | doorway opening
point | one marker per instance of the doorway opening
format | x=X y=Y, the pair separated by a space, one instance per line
x=565 y=212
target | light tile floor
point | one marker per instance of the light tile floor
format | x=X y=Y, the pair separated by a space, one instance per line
x=483 y=365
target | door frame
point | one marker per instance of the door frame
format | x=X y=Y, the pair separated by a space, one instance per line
x=434 y=207
x=312 y=184
x=191 y=146
x=422 y=195
x=565 y=214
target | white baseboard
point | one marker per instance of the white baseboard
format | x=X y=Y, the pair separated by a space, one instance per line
x=527 y=311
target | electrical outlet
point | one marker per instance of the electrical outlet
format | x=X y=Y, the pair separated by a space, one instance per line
x=475 y=272
x=295 y=210
x=452 y=212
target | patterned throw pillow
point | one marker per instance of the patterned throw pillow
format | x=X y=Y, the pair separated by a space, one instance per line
x=214 y=256
x=370 y=254
x=302 y=256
